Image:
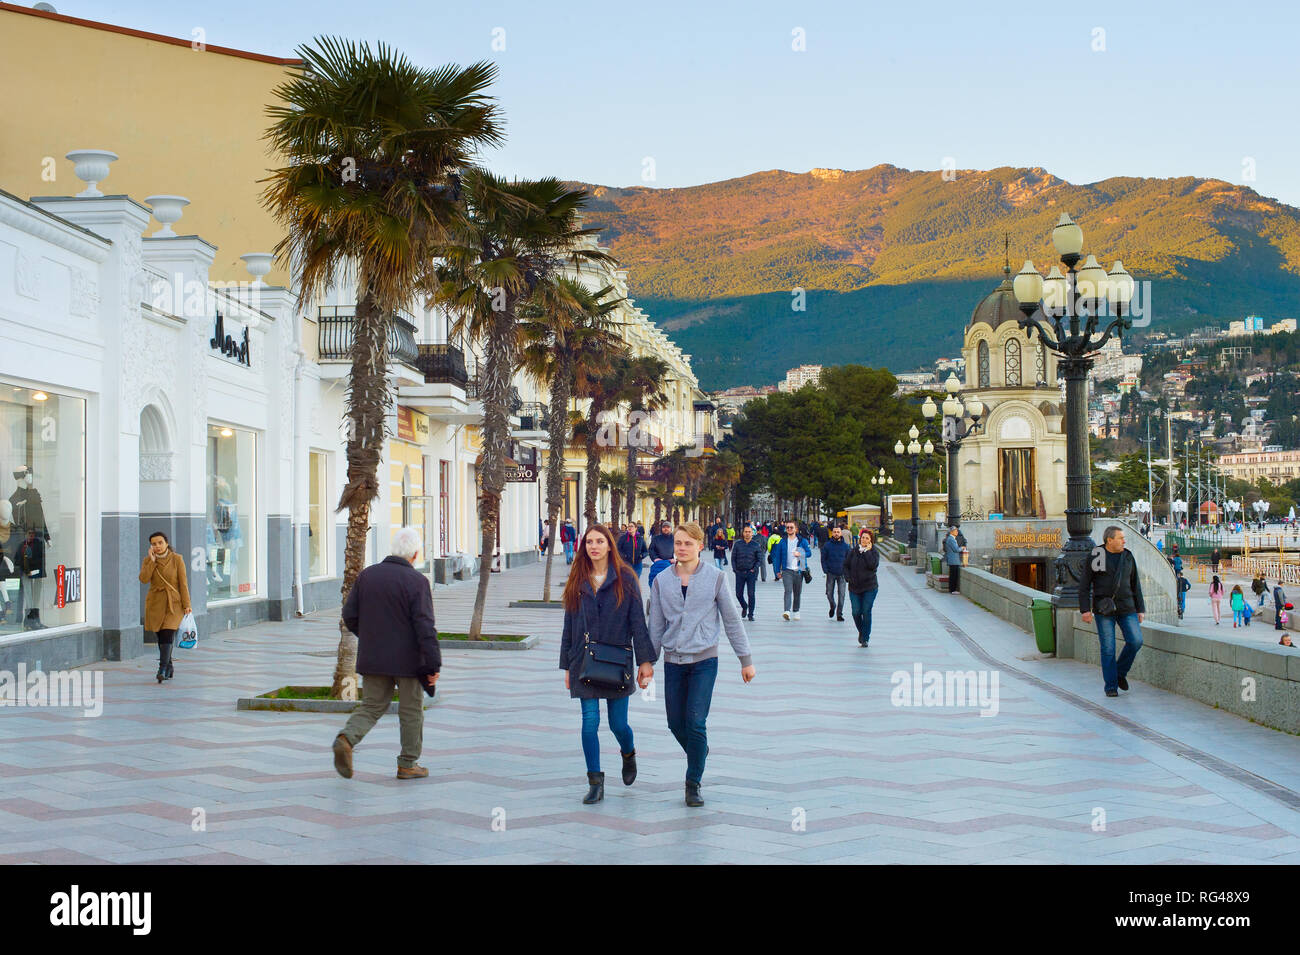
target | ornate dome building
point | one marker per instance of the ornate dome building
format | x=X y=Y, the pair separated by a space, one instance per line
x=1016 y=465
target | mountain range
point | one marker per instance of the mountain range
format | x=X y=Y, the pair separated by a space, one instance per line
x=891 y=262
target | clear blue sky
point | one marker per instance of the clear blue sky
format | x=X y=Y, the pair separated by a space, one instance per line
x=713 y=90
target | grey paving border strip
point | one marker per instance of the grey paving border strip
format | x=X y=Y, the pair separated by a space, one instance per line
x=1288 y=797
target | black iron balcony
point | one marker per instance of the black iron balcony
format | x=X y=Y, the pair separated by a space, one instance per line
x=336 y=334
x=442 y=364
x=474 y=390
x=534 y=416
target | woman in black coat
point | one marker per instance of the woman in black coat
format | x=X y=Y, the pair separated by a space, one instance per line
x=860 y=569
x=602 y=604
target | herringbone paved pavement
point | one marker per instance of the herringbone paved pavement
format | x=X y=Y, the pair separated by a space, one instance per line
x=812 y=762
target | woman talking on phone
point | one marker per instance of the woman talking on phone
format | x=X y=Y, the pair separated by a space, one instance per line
x=168 y=600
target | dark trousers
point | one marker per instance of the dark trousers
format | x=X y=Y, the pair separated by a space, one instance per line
x=860 y=605
x=688 y=692
x=954 y=576
x=745 y=584
x=835 y=584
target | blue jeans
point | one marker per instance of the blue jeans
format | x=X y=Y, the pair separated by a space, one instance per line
x=638 y=568
x=617 y=710
x=1111 y=669
x=688 y=691
x=860 y=605
x=1237 y=617
x=568 y=552
x=745 y=583
x=717 y=562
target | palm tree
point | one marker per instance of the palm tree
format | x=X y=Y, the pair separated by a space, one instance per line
x=616 y=481
x=605 y=392
x=645 y=396
x=375 y=150
x=516 y=237
x=567 y=338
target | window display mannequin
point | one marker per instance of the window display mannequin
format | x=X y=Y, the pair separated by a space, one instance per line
x=10 y=537
x=29 y=516
x=226 y=519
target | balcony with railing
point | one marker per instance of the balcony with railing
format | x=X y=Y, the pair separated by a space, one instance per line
x=442 y=364
x=534 y=416
x=337 y=332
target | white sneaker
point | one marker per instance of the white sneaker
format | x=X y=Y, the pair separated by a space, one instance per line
x=785 y=614
x=796 y=616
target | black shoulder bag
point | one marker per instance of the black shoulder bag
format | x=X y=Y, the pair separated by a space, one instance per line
x=1106 y=605
x=605 y=666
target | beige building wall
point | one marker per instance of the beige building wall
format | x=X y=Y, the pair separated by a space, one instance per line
x=184 y=121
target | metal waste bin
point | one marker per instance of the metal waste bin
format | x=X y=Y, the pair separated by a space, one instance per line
x=1044 y=632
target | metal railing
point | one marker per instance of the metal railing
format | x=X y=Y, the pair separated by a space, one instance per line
x=442 y=364
x=337 y=332
x=534 y=416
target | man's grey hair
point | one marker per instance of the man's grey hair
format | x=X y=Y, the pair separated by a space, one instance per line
x=406 y=543
x=1111 y=532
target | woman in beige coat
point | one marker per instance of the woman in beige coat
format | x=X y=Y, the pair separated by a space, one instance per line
x=168 y=599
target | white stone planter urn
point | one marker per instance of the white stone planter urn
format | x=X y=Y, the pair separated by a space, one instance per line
x=258 y=264
x=166 y=209
x=91 y=167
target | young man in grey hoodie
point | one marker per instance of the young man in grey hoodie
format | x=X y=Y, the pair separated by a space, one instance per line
x=689 y=609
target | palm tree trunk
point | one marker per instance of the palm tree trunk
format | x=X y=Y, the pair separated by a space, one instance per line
x=367 y=402
x=593 y=470
x=495 y=380
x=559 y=439
x=630 y=493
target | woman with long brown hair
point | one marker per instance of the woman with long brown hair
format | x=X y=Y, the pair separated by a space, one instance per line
x=602 y=609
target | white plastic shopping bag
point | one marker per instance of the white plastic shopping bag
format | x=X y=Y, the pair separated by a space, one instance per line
x=188 y=634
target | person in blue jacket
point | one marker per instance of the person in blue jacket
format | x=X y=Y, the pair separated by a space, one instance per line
x=833 y=553
x=790 y=557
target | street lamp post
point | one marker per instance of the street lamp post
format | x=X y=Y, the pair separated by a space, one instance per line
x=883 y=481
x=914 y=448
x=1065 y=300
x=960 y=421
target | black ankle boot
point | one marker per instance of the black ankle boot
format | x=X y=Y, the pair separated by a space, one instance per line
x=693 y=797
x=629 y=768
x=162 y=672
x=165 y=659
x=597 y=791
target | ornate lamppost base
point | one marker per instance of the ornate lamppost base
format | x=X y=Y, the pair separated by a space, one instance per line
x=1069 y=568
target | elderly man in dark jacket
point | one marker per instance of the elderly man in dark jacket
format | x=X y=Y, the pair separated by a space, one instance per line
x=1111 y=591
x=390 y=609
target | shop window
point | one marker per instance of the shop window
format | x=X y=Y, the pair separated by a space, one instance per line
x=318 y=524
x=231 y=513
x=42 y=511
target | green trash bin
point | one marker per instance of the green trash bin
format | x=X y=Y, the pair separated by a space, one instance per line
x=1044 y=634
x=936 y=564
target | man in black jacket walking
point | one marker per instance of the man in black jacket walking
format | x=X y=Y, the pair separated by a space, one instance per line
x=1111 y=592
x=834 y=550
x=390 y=609
x=661 y=546
x=747 y=556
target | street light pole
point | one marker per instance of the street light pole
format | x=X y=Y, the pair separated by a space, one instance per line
x=960 y=421
x=914 y=448
x=1078 y=294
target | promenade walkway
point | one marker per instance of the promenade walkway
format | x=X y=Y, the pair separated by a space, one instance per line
x=812 y=762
